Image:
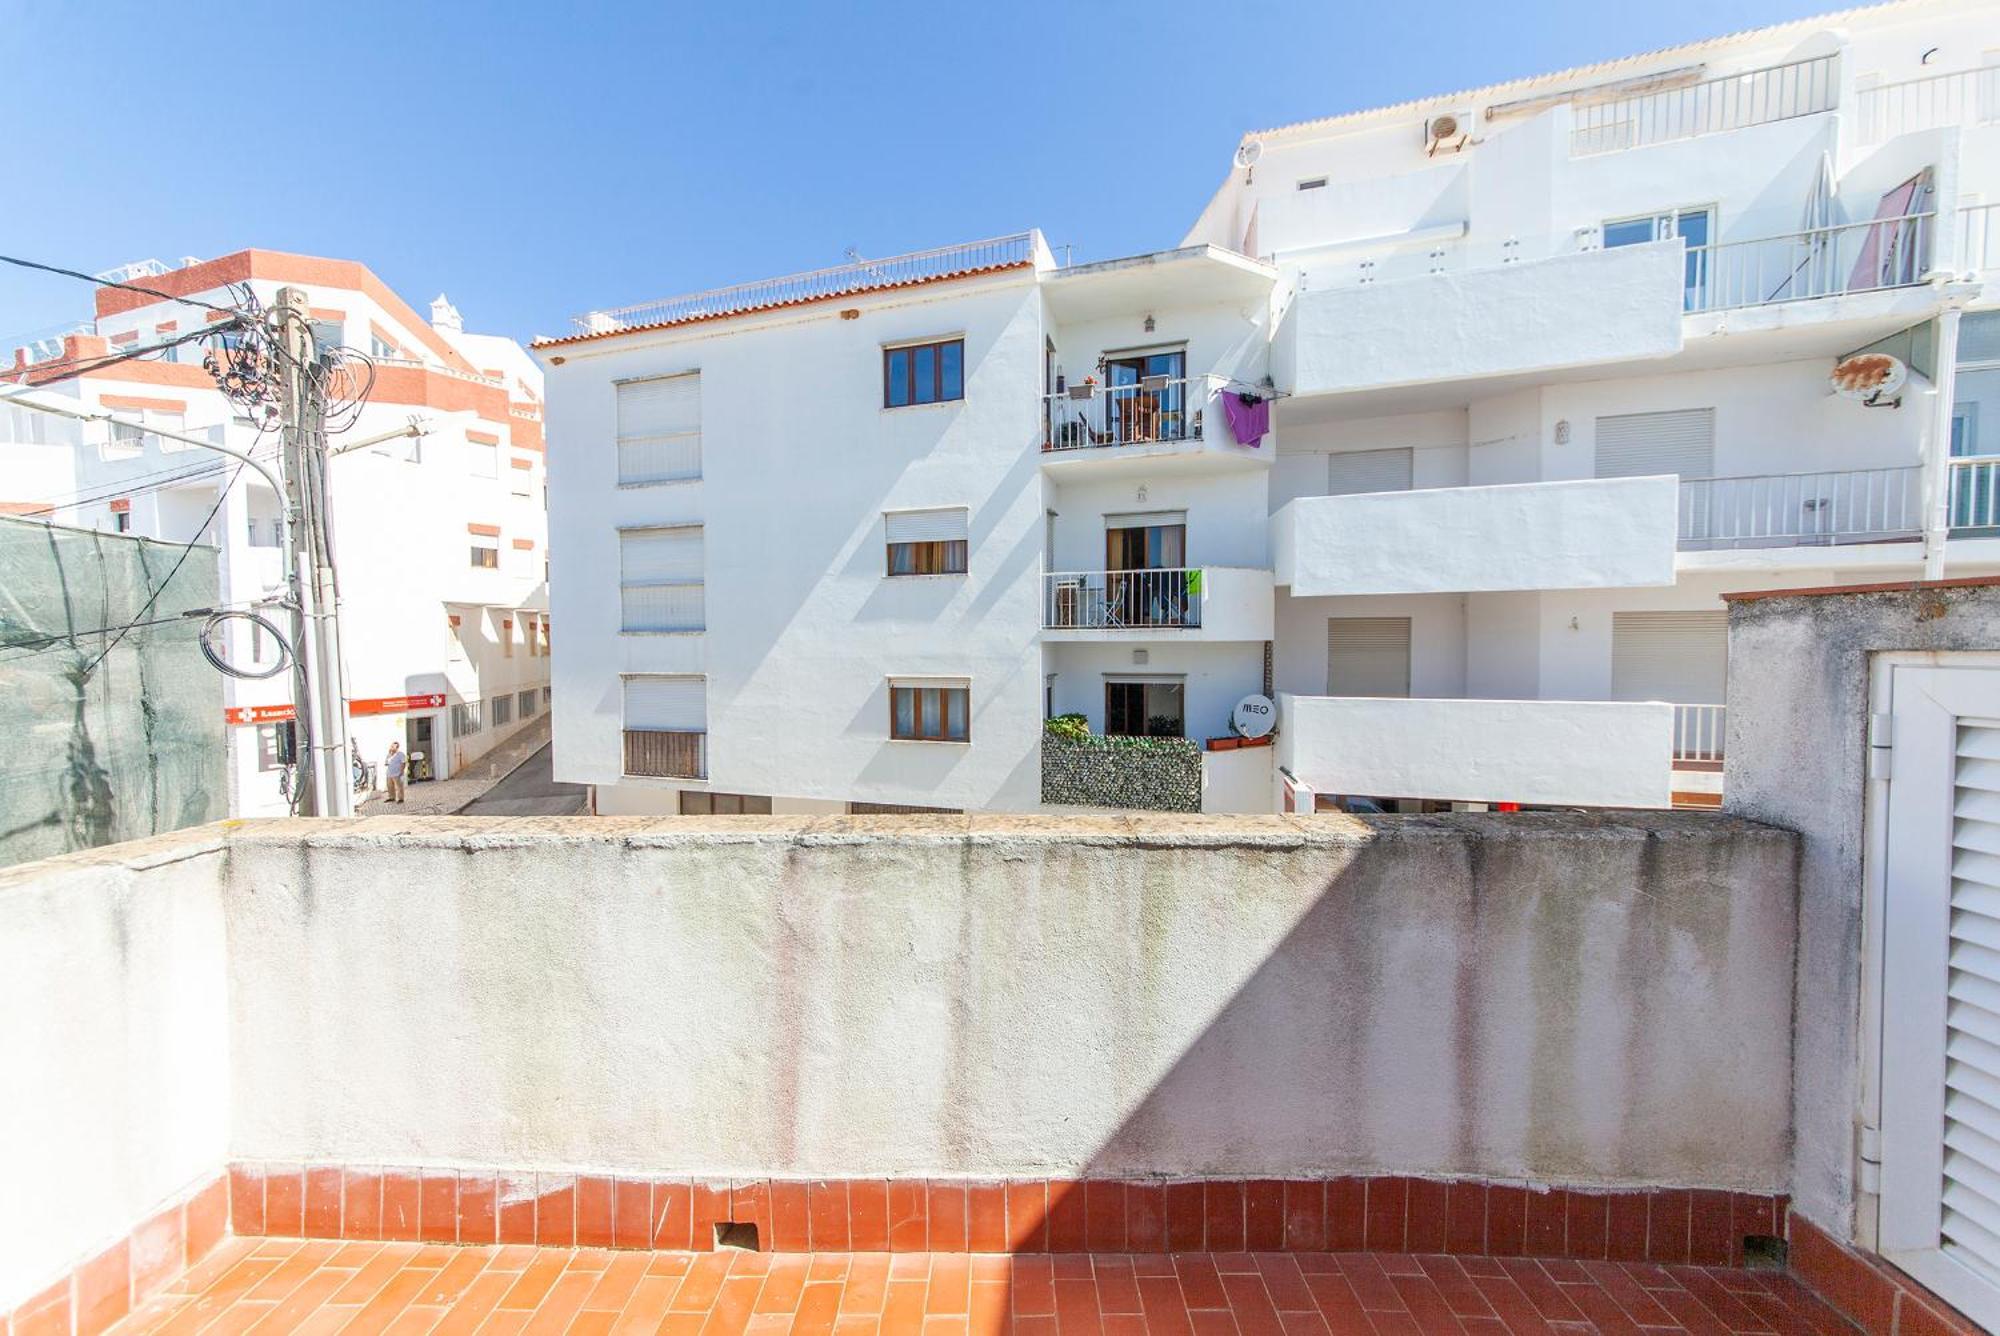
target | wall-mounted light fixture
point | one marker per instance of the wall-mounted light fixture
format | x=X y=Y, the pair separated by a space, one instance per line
x=1149 y=324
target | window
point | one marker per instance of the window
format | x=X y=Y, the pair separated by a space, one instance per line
x=24 y=426
x=1640 y=445
x=525 y=701
x=660 y=579
x=518 y=480
x=666 y=726
x=1681 y=657
x=659 y=430
x=929 y=710
x=1368 y=656
x=487 y=558
x=1136 y=708
x=269 y=750
x=1351 y=472
x=1313 y=183
x=548 y=694
x=381 y=345
x=122 y=521
x=503 y=710
x=923 y=373
x=126 y=441
x=1694 y=226
x=528 y=634
x=158 y=421
x=327 y=334
x=466 y=719
x=697 y=803
x=482 y=458
x=506 y=637
x=1146 y=397
x=926 y=542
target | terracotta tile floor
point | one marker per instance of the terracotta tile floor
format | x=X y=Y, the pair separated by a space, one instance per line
x=266 y=1286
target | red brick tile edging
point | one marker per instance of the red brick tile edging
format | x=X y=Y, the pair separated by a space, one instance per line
x=114 y=1282
x=1380 y=1214
x=1866 y=1290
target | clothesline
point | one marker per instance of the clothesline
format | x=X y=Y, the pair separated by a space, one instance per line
x=1264 y=392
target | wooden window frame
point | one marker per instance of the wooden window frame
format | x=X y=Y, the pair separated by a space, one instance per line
x=942 y=556
x=910 y=351
x=923 y=721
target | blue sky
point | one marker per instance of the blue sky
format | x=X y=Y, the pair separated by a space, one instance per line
x=535 y=160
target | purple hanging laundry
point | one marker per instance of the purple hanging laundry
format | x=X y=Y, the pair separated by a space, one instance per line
x=1249 y=417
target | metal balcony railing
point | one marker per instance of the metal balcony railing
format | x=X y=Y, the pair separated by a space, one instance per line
x=1779 y=93
x=860 y=276
x=1801 y=509
x=1978 y=238
x=1961 y=97
x=1800 y=266
x=1699 y=731
x=667 y=755
x=1974 y=493
x=1159 y=408
x=1166 y=599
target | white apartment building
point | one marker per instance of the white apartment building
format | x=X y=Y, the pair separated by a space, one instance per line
x=440 y=540
x=1548 y=371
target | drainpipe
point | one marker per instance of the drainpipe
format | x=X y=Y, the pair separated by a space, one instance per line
x=1937 y=442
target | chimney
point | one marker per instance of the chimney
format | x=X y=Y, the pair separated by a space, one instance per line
x=445 y=316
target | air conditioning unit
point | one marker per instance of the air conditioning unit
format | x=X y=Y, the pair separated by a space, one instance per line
x=1447 y=132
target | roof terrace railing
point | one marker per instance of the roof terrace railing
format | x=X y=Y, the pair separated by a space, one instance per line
x=860 y=276
x=1755 y=97
x=1959 y=97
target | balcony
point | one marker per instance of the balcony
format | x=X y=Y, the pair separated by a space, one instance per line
x=1161 y=420
x=1453 y=311
x=1194 y=602
x=1730 y=102
x=1583 y=753
x=1803 y=266
x=1593 y=533
x=1801 y=509
x=1974 y=497
x=1961 y=97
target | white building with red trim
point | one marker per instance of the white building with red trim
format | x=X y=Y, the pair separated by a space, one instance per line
x=440 y=540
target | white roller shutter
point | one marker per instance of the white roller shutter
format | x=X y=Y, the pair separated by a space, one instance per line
x=660 y=554
x=1368 y=471
x=1368 y=656
x=1681 y=657
x=660 y=579
x=659 y=429
x=1971 y=1223
x=669 y=704
x=926 y=526
x=1639 y=445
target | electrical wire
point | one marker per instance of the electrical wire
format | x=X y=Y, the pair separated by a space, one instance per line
x=56 y=641
x=179 y=561
x=108 y=283
x=53 y=373
x=162 y=481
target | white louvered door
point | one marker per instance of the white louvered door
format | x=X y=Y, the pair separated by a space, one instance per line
x=1940 y=985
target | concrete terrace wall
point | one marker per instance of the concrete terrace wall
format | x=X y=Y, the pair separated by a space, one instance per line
x=1563 y=999
x=113 y=986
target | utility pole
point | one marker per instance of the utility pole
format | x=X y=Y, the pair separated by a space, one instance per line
x=321 y=711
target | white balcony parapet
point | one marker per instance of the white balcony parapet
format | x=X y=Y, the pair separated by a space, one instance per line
x=1699 y=731
x=1978 y=239
x=1592 y=533
x=1958 y=97
x=1801 y=266
x=1730 y=102
x=1157 y=410
x=1588 y=753
x=1974 y=497
x=1022 y=248
x=1801 y=509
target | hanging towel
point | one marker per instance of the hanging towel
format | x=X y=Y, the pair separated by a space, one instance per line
x=1193 y=584
x=1249 y=417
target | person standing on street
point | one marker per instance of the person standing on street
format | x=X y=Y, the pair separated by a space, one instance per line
x=392 y=770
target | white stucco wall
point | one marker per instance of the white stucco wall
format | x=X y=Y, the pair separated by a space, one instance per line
x=1599 y=533
x=1561 y=999
x=113 y=983
x=1589 y=753
x=799 y=461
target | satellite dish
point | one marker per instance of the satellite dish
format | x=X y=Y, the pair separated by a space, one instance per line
x=1248 y=152
x=1869 y=377
x=1444 y=127
x=1253 y=716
